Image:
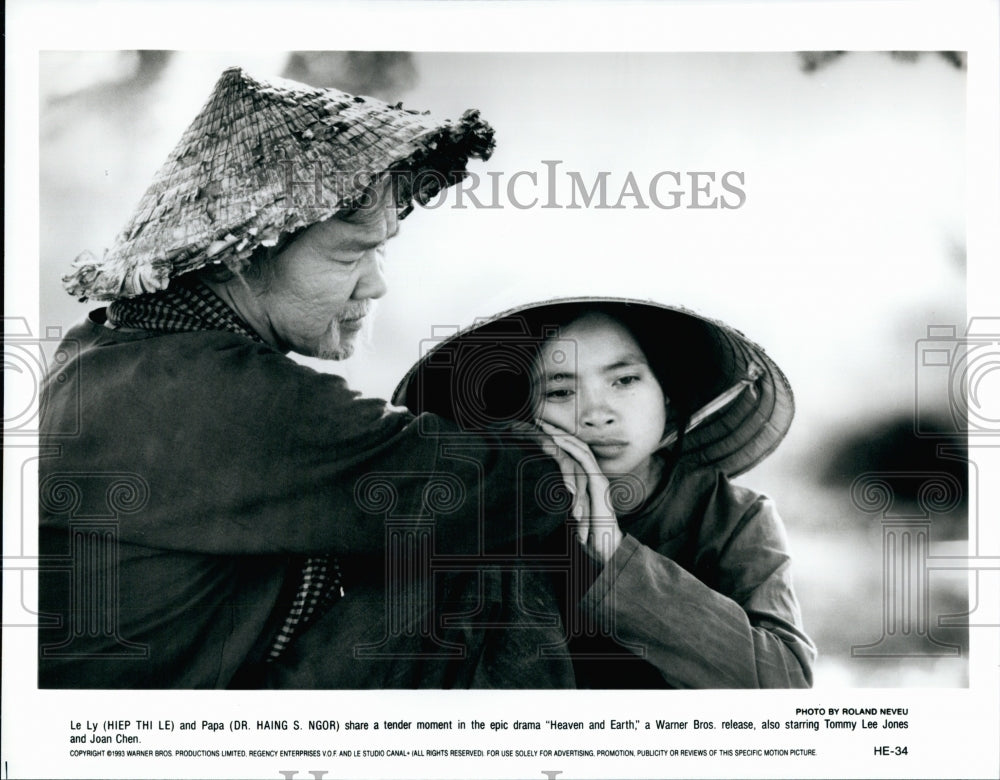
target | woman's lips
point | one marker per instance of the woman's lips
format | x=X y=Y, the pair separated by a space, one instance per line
x=608 y=448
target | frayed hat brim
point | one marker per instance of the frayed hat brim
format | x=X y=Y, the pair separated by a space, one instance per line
x=264 y=159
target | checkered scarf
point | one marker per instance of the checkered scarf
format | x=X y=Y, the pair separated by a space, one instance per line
x=189 y=305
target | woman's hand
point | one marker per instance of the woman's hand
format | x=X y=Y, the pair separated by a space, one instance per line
x=596 y=525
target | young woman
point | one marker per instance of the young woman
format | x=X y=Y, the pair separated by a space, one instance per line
x=680 y=578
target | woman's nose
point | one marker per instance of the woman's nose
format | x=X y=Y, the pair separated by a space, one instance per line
x=595 y=412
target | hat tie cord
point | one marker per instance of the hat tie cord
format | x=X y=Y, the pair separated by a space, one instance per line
x=721 y=401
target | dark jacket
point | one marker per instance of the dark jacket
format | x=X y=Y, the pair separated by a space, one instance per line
x=698 y=595
x=206 y=465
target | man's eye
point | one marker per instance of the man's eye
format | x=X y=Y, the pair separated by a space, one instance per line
x=353 y=258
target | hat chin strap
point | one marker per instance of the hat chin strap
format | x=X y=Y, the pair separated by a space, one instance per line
x=721 y=401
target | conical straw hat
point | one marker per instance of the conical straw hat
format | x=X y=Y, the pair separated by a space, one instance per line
x=740 y=401
x=264 y=159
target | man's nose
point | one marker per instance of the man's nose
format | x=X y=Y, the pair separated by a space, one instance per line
x=371 y=283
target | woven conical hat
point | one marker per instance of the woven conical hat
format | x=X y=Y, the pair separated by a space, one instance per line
x=267 y=158
x=481 y=376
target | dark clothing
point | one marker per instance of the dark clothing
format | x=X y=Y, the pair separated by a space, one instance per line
x=190 y=305
x=700 y=593
x=206 y=465
x=492 y=627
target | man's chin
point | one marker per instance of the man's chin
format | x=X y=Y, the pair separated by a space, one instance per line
x=342 y=350
x=340 y=353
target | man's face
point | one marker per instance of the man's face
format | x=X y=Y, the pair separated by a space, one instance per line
x=322 y=285
x=594 y=382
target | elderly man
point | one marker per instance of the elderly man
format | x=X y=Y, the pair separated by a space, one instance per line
x=221 y=519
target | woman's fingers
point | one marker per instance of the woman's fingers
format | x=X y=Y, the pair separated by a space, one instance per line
x=572 y=444
x=598 y=488
x=597 y=484
x=595 y=524
x=581 y=472
x=573 y=477
x=567 y=465
x=598 y=528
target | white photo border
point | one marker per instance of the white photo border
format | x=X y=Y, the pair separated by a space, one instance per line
x=955 y=731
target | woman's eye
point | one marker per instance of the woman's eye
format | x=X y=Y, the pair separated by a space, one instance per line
x=558 y=394
x=627 y=380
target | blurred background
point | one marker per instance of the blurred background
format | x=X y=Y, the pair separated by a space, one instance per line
x=849 y=245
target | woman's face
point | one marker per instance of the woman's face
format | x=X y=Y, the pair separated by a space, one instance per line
x=593 y=381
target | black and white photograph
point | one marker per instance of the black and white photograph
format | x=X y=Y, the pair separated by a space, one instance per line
x=422 y=405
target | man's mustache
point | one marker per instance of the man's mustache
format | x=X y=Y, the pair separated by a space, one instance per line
x=356 y=312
